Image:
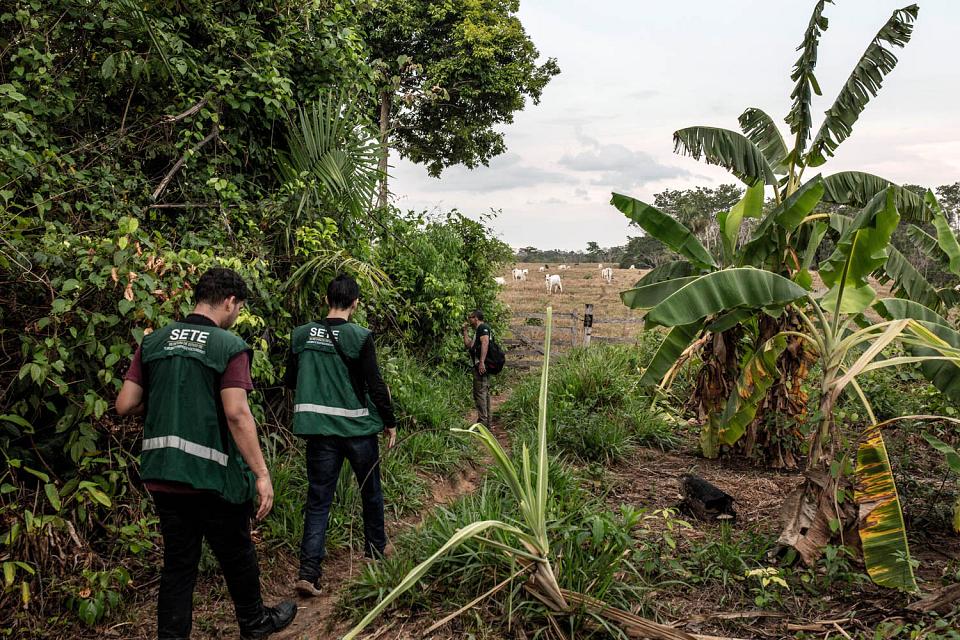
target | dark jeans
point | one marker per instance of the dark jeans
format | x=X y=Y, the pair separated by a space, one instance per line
x=325 y=455
x=185 y=520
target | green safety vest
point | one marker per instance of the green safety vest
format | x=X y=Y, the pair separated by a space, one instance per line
x=325 y=402
x=185 y=436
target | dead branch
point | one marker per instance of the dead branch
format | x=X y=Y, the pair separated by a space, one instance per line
x=186 y=114
x=214 y=132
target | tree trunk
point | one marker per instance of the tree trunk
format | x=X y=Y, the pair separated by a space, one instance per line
x=385 y=103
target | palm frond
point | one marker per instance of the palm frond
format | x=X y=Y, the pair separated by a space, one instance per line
x=863 y=84
x=799 y=118
x=729 y=149
x=762 y=131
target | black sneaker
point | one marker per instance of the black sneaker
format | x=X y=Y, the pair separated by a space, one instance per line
x=308 y=589
x=272 y=619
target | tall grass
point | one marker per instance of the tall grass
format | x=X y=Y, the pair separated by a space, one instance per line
x=597 y=411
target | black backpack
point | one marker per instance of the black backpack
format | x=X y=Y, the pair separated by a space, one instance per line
x=496 y=358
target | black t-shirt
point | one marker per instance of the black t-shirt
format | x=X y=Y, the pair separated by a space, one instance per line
x=483 y=329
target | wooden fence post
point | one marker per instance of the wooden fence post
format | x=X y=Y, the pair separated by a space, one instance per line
x=587 y=324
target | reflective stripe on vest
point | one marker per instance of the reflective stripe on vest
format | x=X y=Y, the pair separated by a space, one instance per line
x=192 y=448
x=330 y=411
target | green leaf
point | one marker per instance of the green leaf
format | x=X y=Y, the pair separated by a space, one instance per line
x=946 y=240
x=908 y=280
x=788 y=215
x=927 y=245
x=665 y=229
x=9 y=573
x=51 y=490
x=724 y=291
x=653 y=294
x=749 y=206
x=799 y=118
x=951 y=455
x=70 y=285
x=668 y=271
x=857 y=189
x=757 y=375
x=802 y=276
x=728 y=149
x=860 y=251
x=678 y=339
x=39 y=474
x=882 y=531
x=863 y=84
x=762 y=131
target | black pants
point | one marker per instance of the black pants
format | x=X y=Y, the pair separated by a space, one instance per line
x=185 y=520
x=325 y=456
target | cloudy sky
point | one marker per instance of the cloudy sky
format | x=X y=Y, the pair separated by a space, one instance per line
x=633 y=72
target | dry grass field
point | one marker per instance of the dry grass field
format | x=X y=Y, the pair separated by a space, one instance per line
x=582 y=284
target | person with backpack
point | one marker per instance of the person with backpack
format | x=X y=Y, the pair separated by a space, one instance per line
x=487 y=359
x=341 y=405
x=201 y=459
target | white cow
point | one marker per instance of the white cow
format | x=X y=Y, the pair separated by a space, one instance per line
x=599 y=266
x=564 y=267
x=542 y=269
x=553 y=282
x=525 y=273
x=518 y=274
x=633 y=266
x=500 y=280
x=607 y=274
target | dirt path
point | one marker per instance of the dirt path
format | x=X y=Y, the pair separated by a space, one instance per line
x=315 y=617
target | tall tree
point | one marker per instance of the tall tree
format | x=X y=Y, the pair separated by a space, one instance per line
x=451 y=74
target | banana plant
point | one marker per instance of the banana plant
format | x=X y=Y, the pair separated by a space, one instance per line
x=531 y=547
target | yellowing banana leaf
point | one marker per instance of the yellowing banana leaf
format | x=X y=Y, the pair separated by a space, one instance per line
x=722 y=291
x=674 y=344
x=651 y=295
x=757 y=376
x=665 y=229
x=885 y=548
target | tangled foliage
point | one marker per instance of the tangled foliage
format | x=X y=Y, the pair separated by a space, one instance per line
x=142 y=144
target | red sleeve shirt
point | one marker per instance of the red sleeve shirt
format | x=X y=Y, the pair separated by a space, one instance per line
x=235 y=376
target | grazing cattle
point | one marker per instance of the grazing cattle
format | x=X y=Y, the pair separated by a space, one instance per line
x=564 y=267
x=542 y=269
x=500 y=280
x=553 y=283
x=633 y=266
x=525 y=272
x=599 y=266
x=607 y=274
x=518 y=274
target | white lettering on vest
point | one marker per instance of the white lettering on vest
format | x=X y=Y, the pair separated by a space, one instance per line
x=191 y=335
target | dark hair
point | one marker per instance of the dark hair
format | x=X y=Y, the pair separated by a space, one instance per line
x=476 y=313
x=218 y=284
x=342 y=291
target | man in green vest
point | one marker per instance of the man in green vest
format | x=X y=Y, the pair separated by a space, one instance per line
x=340 y=406
x=478 y=347
x=201 y=458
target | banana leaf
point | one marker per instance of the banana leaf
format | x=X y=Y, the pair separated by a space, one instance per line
x=721 y=291
x=799 y=118
x=882 y=532
x=908 y=281
x=761 y=130
x=928 y=245
x=729 y=149
x=749 y=206
x=651 y=295
x=668 y=271
x=675 y=342
x=859 y=252
x=944 y=375
x=665 y=229
x=953 y=461
x=756 y=377
x=864 y=83
x=946 y=240
x=788 y=215
x=802 y=276
x=856 y=189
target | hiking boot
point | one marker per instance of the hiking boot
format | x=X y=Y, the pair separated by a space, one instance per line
x=308 y=589
x=272 y=619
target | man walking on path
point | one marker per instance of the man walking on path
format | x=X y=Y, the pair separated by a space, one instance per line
x=341 y=404
x=201 y=458
x=478 y=347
